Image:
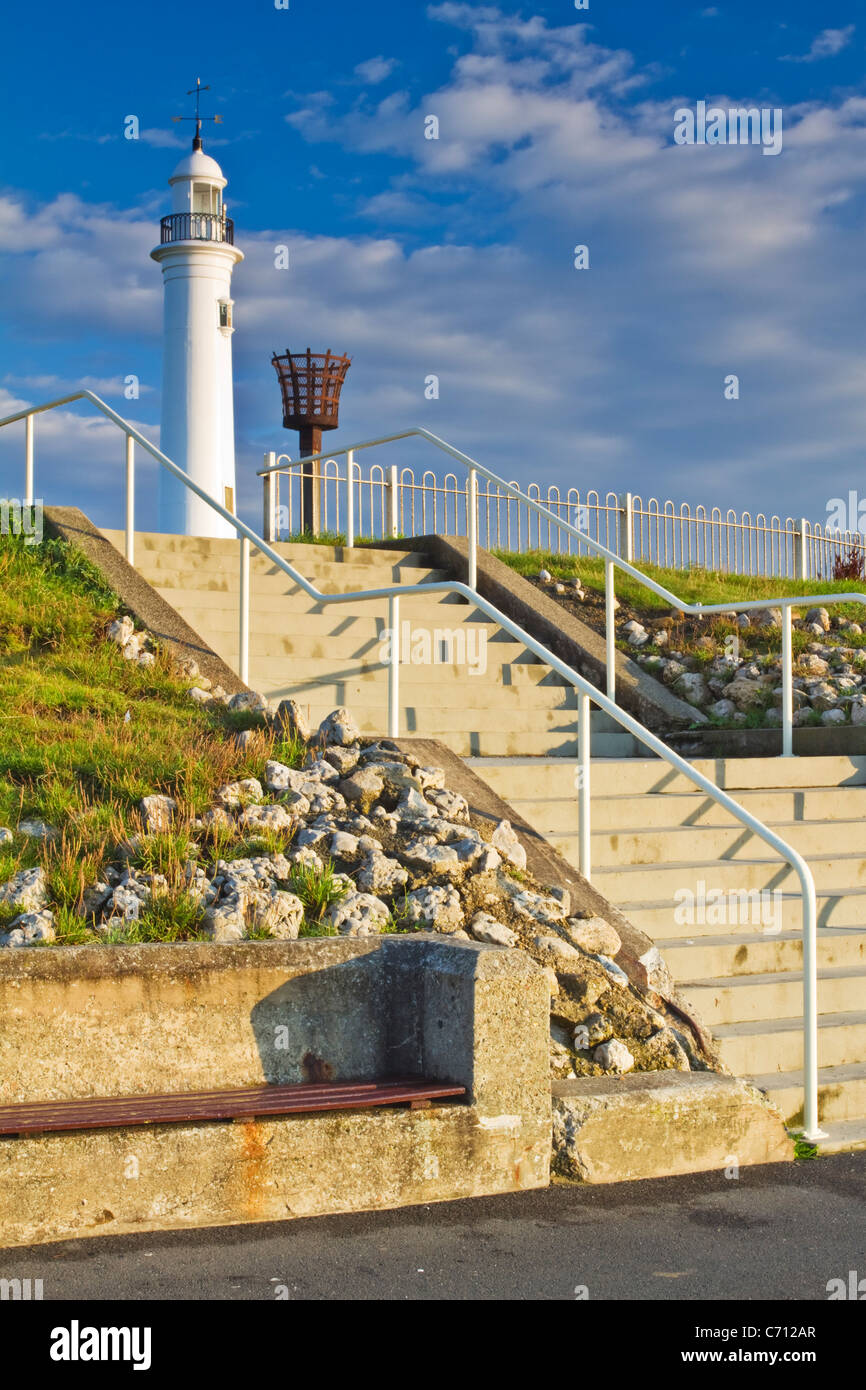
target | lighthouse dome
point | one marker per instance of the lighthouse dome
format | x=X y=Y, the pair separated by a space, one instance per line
x=198 y=165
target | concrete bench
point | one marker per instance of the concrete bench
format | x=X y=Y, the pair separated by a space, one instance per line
x=298 y=1040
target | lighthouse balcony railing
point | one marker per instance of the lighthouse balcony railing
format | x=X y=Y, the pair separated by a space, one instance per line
x=196 y=226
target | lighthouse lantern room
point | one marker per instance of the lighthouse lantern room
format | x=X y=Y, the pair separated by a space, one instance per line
x=197 y=255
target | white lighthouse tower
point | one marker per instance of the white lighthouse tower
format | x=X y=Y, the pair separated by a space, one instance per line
x=197 y=255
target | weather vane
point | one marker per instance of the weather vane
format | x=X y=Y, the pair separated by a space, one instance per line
x=196 y=91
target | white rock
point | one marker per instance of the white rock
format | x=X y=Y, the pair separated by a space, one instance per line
x=225 y=922
x=692 y=688
x=237 y=794
x=36 y=830
x=594 y=934
x=441 y=860
x=158 y=812
x=486 y=928
x=722 y=709
x=321 y=770
x=200 y=697
x=506 y=842
x=339 y=727
x=364 y=786
x=125 y=905
x=267 y=818
x=413 y=805
x=819 y=617
x=437 y=906
x=344 y=845
x=131 y=650
x=279 y=778
x=431 y=778
x=146 y=659
x=361 y=914
x=26 y=890
x=381 y=874
x=555 y=950
x=29 y=929
x=121 y=630
x=613 y=1056
x=6 y=835
x=833 y=716
x=250 y=700
x=451 y=805
x=546 y=911
x=342 y=759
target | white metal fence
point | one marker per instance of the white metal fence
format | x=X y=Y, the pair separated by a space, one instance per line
x=394 y=501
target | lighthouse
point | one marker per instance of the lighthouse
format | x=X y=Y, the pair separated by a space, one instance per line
x=197 y=255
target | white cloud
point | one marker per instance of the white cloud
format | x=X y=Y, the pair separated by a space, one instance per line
x=827 y=44
x=703 y=261
x=375 y=70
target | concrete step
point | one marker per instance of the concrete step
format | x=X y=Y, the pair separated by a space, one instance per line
x=742 y=999
x=297 y=612
x=751 y=951
x=277 y=583
x=644 y=883
x=841 y=1093
x=520 y=777
x=277 y=643
x=684 y=808
x=687 y=844
x=844 y=1136
x=776 y=1044
x=464 y=736
x=154 y=543
x=306 y=670
x=835 y=910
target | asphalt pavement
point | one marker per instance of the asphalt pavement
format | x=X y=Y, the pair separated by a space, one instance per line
x=778 y=1233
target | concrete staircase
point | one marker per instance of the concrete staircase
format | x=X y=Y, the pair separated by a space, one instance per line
x=656 y=837
x=327 y=655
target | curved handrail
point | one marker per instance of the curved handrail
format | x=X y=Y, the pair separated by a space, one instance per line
x=587 y=692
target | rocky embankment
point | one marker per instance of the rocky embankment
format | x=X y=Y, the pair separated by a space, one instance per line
x=359 y=838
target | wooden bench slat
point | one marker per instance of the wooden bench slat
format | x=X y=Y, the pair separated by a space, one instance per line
x=245 y=1102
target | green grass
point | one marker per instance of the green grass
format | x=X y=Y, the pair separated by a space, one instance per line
x=166 y=917
x=71 y=757
x=693 y=585
x=317 y=890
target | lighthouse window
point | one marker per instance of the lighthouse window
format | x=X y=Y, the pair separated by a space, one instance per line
x=205 y=198
x=225 y=309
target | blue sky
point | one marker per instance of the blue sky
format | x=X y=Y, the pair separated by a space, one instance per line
x=455 y=257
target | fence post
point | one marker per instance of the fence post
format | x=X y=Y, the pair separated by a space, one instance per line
x=350 y=500
x=472 y=526
x=626 y=528
x=244 y=613
x=801 y=551
x=787 y=685
x=392 y=510
x=130 y=500
x=270 y=498
x=28 y=458
x=610 y=627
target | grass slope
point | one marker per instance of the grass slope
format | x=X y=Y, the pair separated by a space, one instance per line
x=84 y=734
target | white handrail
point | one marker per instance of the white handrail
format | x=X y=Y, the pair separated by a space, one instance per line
x=611 y=559
x=587 y=691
